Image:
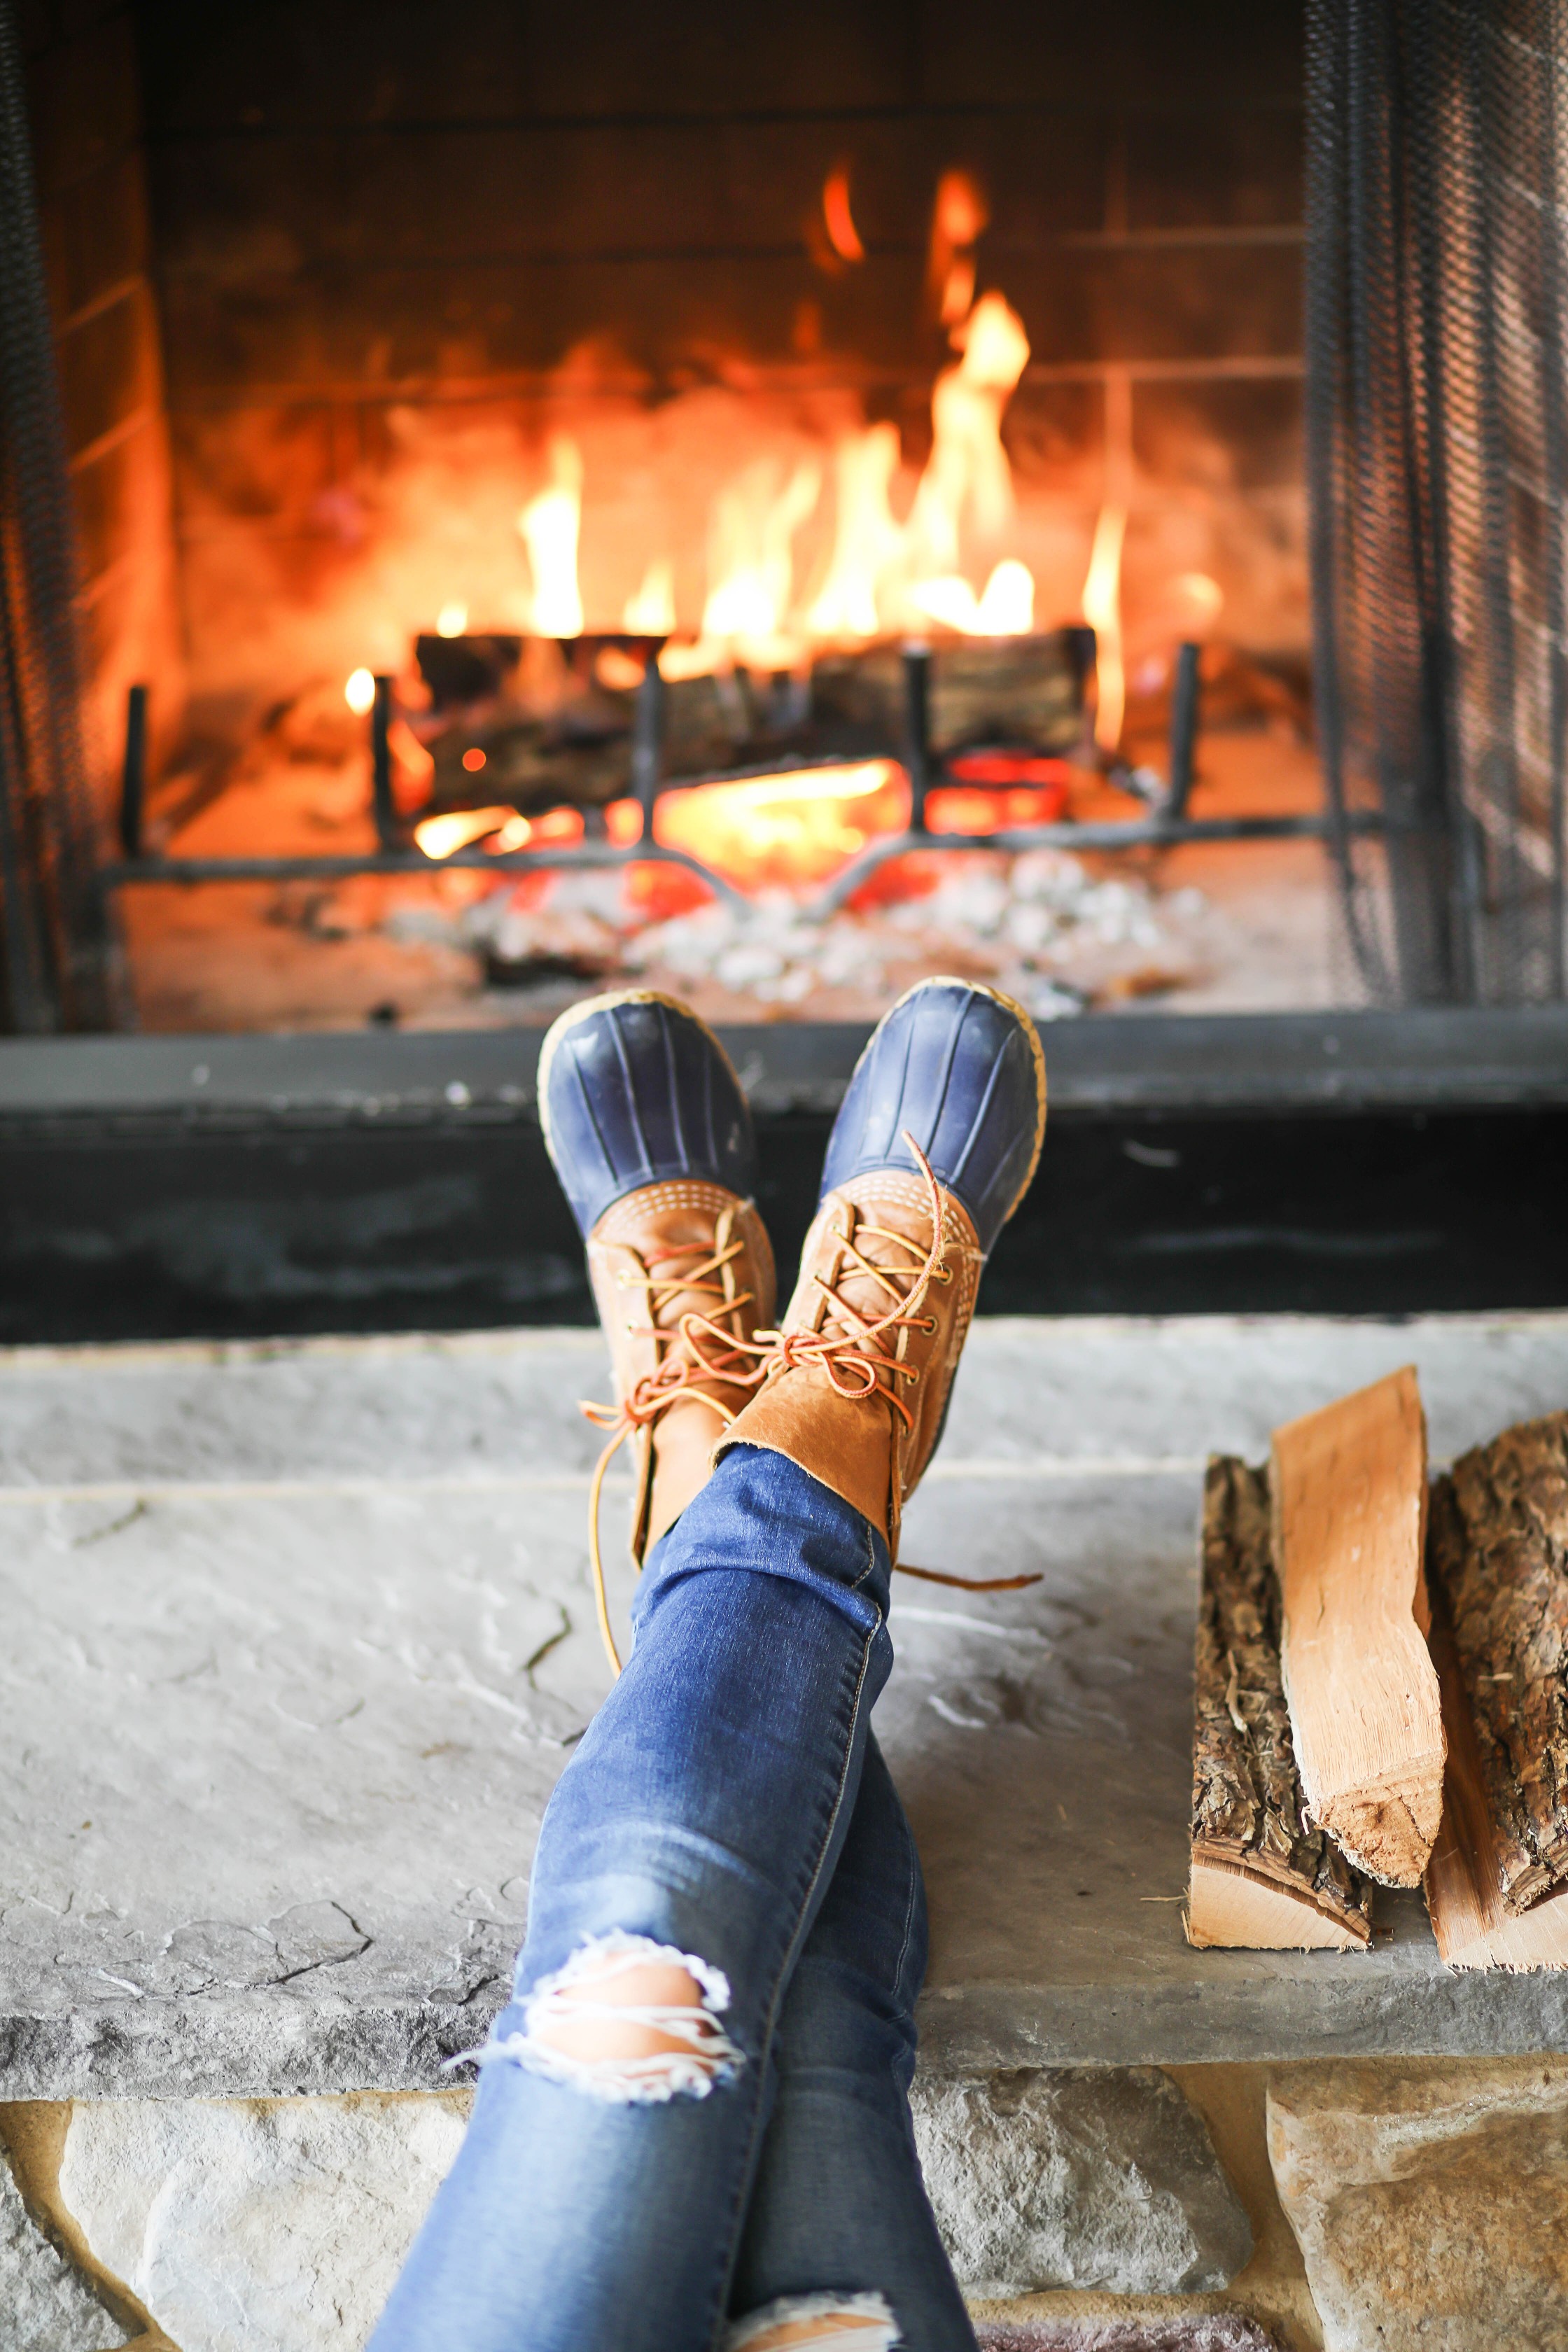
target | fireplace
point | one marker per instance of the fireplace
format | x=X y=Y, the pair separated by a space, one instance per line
x=487 y=431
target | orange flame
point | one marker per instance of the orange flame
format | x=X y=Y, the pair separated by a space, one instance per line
x=1103 y=611
x=550 y=525
x=968 y=477
x=752 y=559
x=866 y=540
x=649 y=611
x=842 y=233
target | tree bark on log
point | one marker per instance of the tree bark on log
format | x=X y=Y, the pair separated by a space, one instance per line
x=1471 y=1921
x=1261 y=1877
x=1499 y=1552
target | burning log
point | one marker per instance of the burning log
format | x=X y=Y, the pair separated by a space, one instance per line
x=1500 y=1552
x=1027 y=691
x=540 y=726
x=1260 y=1877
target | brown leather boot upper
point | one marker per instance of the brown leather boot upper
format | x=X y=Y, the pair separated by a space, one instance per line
x=683 y=1275
x=857 y=1382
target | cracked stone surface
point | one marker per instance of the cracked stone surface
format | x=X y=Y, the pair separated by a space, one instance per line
x=45 y=2305
x=258 y=2225
x=1097 y=2176
x=1430 y=2202
x=299 y=1638
x=1225 y=2331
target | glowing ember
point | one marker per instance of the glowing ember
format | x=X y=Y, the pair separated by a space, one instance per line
x=440 y=836
x=550 y=525
x=359 y=692
x=452 y=620
x=1103 y=611
x=786 y=831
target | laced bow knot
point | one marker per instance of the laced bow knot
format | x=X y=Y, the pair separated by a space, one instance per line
x=847 y=1343
x=848 y=1347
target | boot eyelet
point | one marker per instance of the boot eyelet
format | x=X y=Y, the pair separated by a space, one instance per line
x=928 y=1323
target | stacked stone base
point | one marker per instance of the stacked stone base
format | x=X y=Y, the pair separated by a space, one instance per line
x=1349 y=2205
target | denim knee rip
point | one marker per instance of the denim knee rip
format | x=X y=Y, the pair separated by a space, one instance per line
x=816 y=2323
x=692 y=2051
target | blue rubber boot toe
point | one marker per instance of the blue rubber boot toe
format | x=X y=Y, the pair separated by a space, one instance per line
x=634 y=1090
x=959 y=1068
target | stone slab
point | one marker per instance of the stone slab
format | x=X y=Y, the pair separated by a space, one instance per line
x=45 y=2305
x=1430 y=2202
x=299 y=1638
x=258 y=2225
x=1087 y=2177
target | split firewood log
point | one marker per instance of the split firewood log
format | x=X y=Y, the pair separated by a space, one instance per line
x=1349 y=1487
x=1500 y=1555
x=1471 y=1920
x=1262 y=1876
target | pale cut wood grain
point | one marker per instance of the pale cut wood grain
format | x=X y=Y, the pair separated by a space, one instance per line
x=1470 y=1919
x=1350 y=1507
x=1229 y=1907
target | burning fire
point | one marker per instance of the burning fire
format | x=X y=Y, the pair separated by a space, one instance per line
x=774 y=832
x=650 y=610
x=750 y=558
x=878 y=560
x=1005 y=610
x=550 y=525
x=441 y=836
x=882 y=573
x=1103 y=611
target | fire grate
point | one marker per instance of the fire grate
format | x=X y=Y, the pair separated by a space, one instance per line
x=905 y=733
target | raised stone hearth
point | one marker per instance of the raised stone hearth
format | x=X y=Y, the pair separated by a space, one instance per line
x=298 y=1637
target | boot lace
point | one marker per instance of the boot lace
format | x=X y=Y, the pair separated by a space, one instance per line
x=695 y=1347
x=852 y=1348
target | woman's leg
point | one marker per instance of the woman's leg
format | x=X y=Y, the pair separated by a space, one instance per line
x=839 y=2225
x=598 y=2199
x=599 y=2195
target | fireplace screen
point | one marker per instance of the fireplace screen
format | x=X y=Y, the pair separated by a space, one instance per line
x=1438 y=460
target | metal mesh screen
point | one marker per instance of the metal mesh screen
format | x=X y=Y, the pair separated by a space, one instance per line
x=1437 y=460
x=52 y=942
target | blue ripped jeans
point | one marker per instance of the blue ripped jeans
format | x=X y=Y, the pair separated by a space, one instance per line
x=729 y=1810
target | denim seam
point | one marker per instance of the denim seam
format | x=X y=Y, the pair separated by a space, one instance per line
x=909 y=1918
x=870 y=1566
x=765 y=2041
